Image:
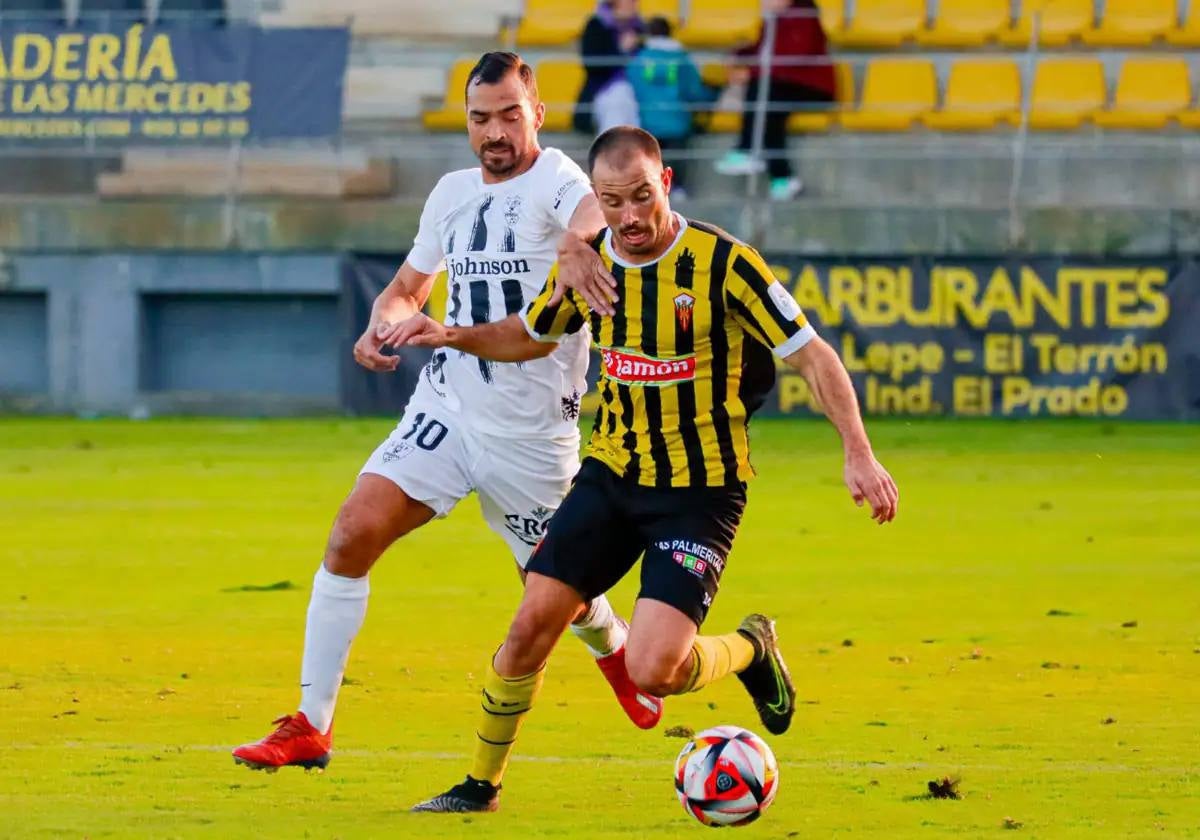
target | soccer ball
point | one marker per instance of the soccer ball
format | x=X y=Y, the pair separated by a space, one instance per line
x=726 y=776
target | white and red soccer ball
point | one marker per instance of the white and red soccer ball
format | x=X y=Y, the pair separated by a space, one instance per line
x=726 y=776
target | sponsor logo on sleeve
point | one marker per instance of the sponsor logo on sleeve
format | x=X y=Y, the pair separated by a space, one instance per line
x=784 y=302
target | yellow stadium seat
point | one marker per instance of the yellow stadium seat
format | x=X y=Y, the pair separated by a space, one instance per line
x=1187 y=35
x=559 y=83
x=1062 y=22
x=1150 y=92
x=660 y=8
x=833 y=18
x=802 y=122
x=967 y=23
x=452 y=116
x=716 y=73
x=719 y=23
x=810 y=121
x=980 y=94
x=1133 y=23
x=1066 y=92
x=884 y=23
x=896 y=93
x=552 y=23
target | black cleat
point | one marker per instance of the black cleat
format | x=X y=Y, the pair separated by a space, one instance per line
x=767 y=679
x=471 y=795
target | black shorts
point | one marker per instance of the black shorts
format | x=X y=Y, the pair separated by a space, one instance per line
x=606 y=523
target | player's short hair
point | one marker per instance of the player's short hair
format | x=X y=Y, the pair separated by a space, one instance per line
x=658 y=27
x=493 y=67
x=620 y=142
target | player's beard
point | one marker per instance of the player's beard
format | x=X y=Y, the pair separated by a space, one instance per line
x=502 y=164
x=650 y=235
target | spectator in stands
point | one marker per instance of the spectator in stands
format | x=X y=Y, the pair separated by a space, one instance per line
x=668 y=87
x=801 y=77
x=612 y=35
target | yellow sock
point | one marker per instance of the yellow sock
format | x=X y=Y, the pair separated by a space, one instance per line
x=714 y=657
x=505 y=704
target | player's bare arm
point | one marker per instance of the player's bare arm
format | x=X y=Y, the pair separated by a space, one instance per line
x=580 y=267
x=404 y=296
x=500 y=341
x=865 y=477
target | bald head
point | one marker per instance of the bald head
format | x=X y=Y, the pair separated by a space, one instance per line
x=621 y=145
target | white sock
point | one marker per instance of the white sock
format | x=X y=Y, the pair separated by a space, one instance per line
x=335 y=614
x=600 y=629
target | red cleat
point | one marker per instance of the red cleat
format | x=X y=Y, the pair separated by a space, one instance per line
x=295 y=743
x=645 y=710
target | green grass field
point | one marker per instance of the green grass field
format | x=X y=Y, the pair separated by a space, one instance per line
x=988 y=634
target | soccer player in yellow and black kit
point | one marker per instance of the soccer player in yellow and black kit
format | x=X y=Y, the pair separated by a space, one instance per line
x=686 y=360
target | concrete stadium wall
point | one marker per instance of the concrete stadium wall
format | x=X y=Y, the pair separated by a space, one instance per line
x=144 y=334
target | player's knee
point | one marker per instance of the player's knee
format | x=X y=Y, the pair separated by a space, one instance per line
x=655 y=672
x=356 y=540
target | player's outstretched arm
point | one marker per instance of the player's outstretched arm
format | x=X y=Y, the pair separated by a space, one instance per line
x=500 y=341
x=400 y=299
x=865 y=477
x=579 y=266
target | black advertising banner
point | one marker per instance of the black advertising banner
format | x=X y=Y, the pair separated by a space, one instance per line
x=1004 y=338
x=171 y=83
x=970 y=338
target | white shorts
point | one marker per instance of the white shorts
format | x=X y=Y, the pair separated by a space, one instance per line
x=437 y=460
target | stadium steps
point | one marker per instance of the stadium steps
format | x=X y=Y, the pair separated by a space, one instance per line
x=449 y=21
x=203 y=173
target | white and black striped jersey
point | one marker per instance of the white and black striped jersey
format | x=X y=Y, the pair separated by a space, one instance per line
x=497 y=242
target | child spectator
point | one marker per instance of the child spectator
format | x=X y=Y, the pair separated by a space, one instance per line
x=668 y=87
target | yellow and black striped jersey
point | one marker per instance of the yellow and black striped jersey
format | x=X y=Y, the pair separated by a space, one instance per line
x=679 y=379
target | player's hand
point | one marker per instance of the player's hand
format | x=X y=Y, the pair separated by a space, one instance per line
x=868 y=481
x=366 y=352
x=580 y=268
x=418 y=331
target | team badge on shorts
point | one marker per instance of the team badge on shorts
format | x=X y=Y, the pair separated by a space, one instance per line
x=396 y=450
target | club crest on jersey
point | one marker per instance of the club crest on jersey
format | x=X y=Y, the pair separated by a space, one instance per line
x=684 y=303
x=634 y=369
x=512 y=209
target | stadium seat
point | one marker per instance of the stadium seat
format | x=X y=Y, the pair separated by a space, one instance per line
x=1066 y=93
x=1187 y=35
x=452 y=116
x=1133 y=23
x=967 y=23
x=660 y=8
x=1062 y=22
x=833 y=17
x=552 y=23
x=884 y=23
x=719 y=23
x=1150 y=93
x=980 y=94
x=559 y=83
x=801 y=122
x=896 y=92
x=808 y=122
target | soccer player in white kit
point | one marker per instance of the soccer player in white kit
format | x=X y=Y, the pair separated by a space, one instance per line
x=508 y=432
